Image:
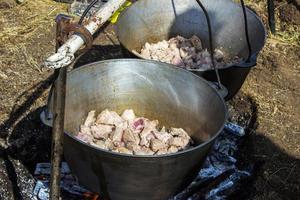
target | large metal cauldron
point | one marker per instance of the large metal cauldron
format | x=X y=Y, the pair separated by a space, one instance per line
x=153 y=21
x=155 y=90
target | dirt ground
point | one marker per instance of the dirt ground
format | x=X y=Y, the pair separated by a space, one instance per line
x=269 y=99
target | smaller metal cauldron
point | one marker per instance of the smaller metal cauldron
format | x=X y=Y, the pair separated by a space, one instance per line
x=176 y=97
x=153 y=21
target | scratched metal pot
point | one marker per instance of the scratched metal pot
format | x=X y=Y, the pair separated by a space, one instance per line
x=153 y=21
x=176 y=97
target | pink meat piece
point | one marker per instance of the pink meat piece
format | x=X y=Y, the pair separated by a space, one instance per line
x=109 y=117
x=164 y=44
x=85 y=134
x=179 y=132
x=146 y=138
x=90 y=120
x=145 y=53
x=101 y=131
x=207 y=60
x=176 y=60
x=130 y=145
x=147 y=133
x=137 y=125
x=117 y=134
x=218 y=55
x=185 y=43
x=183 y=52
x=130 y=137
x=180 y=39
x=85 y=130
x=163 y=135
x=100 y=144
x=109 y=144
x=138 y=150
x=123 y=150
x=173 y=46
x=179 y=142
x=180 y=138
x=168 y=57
x=128 y=115
x=84 y=137
x=172 y=149
x=148 y=46
x=205 y=54
x=157 y=145
x=162 y=151
x=196 y=42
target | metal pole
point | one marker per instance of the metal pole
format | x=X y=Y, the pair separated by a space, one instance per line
x=271 y=16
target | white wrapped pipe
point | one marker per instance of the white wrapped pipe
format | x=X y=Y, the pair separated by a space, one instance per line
x=65 y=54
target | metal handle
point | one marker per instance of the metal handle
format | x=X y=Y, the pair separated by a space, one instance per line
x=249 y=59
x=246 y=31
x=221 y=89
x=210 y=43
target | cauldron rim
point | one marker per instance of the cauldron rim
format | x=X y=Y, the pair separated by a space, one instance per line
x=179 y=153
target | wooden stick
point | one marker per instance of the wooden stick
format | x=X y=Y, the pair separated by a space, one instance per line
x=59 y=94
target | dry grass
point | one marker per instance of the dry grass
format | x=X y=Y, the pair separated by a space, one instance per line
x=22 y=22
x=24 y=39
x=286 y=34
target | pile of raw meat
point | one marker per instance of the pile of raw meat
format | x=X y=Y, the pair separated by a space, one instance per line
x=131 y=135
x=185 y=53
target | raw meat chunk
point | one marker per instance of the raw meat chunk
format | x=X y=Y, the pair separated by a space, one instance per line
x=130 y=137
x=172 y=149
x=147 y=133
x=90 y=120
x=128 y=115
x=123 y=150
x=101 y=131
x=157 y=145
x=109 y=117
x=138 y=150
x=129 y=134
x=185 y=53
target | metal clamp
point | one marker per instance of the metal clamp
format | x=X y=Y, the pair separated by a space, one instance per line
x=66 y=28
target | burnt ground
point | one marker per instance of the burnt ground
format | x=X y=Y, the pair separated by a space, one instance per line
x=267 y=105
